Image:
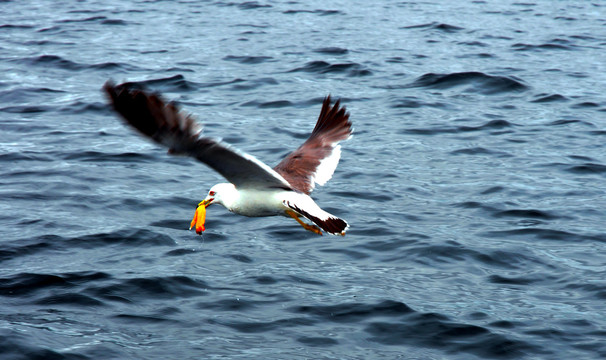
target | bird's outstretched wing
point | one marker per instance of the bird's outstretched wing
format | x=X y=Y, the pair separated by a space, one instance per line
x=316 y=160
x=181 y=134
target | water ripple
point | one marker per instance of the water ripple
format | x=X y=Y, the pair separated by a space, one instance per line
x=477 y=82
x=323 y=67
x=473 y=183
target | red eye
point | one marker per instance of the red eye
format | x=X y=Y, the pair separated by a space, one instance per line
x=211 y=193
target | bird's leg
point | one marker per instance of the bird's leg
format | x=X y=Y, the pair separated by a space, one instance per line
x=312 y=228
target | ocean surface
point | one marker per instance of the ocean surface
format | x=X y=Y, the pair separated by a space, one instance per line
x=474 y=183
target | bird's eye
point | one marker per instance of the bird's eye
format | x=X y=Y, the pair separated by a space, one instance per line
x=211 y=193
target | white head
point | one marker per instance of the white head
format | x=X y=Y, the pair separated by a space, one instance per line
x=223 y=193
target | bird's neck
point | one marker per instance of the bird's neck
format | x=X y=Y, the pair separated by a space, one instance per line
x=229 y=196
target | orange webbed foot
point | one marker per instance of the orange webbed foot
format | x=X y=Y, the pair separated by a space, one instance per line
x=312 y=228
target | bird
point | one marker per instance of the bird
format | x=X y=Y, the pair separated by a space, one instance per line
x=253 y=189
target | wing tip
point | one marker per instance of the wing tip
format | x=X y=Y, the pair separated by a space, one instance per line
x=151 y=115
x=333 y=121
x=337 y=226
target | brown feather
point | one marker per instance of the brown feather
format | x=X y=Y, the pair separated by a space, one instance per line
x=300 y=166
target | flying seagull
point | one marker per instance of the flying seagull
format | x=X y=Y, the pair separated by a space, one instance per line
x=254 y=189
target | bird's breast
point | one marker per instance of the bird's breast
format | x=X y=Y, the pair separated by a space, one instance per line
x=258 y=203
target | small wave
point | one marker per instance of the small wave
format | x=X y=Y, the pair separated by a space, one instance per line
x=172 y=224
x=473 y=43
x=527 y=213
x=74 y=299
x=144 y=289
x=176 y=83
x=597 y=291
x=26 y=93
x=433 y=331
x=114 y=22
x=581 y=157
x=254 y=84
x=22 y=284
x=352 y=254
x=96 y=156
x=88 y=19
x=411 y=102
x=437 y=254
x=47 y=43
x=378 y=197
x=540 y=47
x=388 y=245
x=180 y=252
x=543 y=98
x=259 y=327
x=114 y=66
x=247 y=5
x=443 y=27
x=15 y=26
x=304 y=280
x=507 y=259
x=52 y=29
x=498 y=279
x=332 y=51
x=129 y=238
x=545 y=234
x=480 y=151
x=64 y=64
x=237 y=304
x=144 y=319
x=241 y=258
x=491 y=125
x=26 y=109
x=269 y=104
x=492 y=190
x=510 y=213
x=376 y=230
x=480 y=82
x=248 y=59
x=254 y=26
x=585 y=104
x=98 y=19
x=44 y=243
x=317 y=11
x=395 y=323
x=17 y=344
x=352 y=312
x=317 y=341
x=322 y=67
x=14 y=250
x=220 y=83
x=396 y=60
x=80 y=107
x=51 y=60
x=567 y=122
x=587 y=168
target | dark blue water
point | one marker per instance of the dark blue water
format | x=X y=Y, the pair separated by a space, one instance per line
x=474 y=184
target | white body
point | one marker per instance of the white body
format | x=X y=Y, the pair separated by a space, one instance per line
x=262 y=202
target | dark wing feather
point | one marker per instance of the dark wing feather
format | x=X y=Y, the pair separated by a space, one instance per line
x=166 y=125
x=304 y=167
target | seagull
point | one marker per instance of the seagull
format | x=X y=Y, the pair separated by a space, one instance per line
x=254 y=189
